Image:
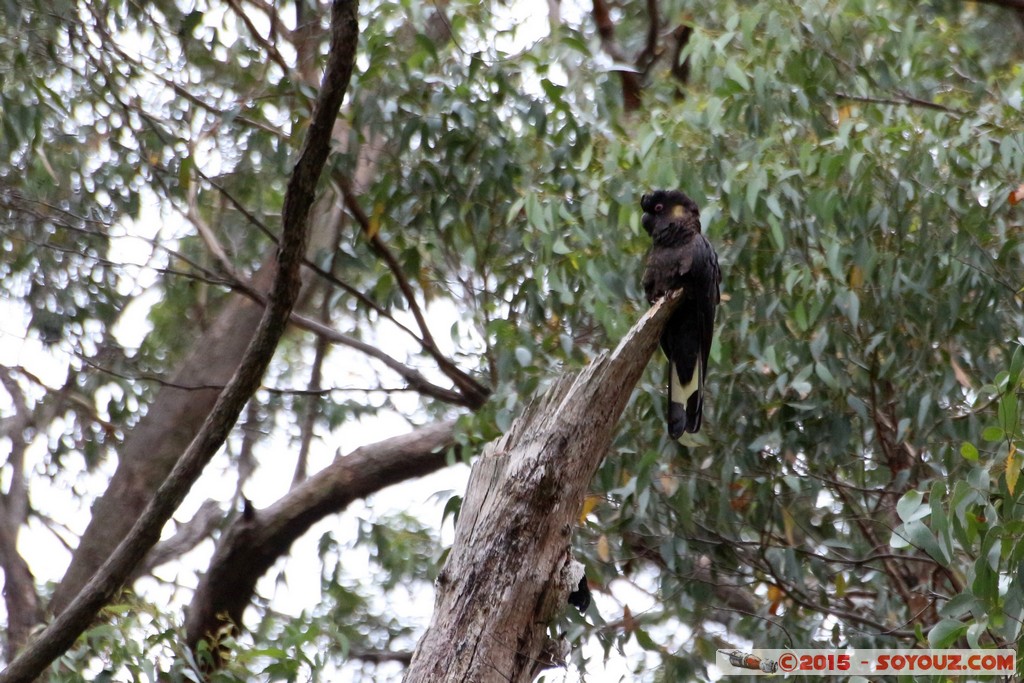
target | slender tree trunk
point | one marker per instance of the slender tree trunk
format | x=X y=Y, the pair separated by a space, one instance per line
x=299 y=197
x=510 y=569
x=153 y=446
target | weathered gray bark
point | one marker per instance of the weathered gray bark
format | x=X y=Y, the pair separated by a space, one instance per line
x=508 y=574
x=118 y=568
x=256 y=540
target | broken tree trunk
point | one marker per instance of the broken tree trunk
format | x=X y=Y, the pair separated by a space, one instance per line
x=509 y=572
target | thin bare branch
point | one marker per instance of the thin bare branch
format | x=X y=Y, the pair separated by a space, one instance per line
x=109 y=579
x=793 y=594
x=253 y=543
x=271 y=48
x=631 y=86
x=474 y=393
x=207 y=234
x=900 y=99
x=187 y=536
x=312 y=403
x=325 y=274
x=277 y=27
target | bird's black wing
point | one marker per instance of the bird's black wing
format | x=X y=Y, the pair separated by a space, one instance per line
x=666 y=270
x=687 y=337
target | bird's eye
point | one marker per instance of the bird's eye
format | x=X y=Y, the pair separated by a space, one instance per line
x=658 y=208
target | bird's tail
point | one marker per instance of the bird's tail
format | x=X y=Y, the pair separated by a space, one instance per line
x=685 y=398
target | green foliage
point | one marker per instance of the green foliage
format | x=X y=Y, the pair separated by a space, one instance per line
x=867 y=251
x=114 y=650
x=852 y=159
x=138 y=641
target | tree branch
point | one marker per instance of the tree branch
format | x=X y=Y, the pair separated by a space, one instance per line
x=631 y=87
x=327 y=275
x=277 y=27
x=475 y=393
x=16 y=499
x=271 y=49
x=649 y=55
x=471 y=394
x=680 y=67
x=20 y=599
x=415 y=379
x=901 y=98
x=380 y=656
x=251 y=546
x=187 y=536
x=793 y=594
x=110 y=577
x=312 y=404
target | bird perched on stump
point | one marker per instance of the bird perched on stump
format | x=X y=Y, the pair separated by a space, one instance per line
x=682 y=258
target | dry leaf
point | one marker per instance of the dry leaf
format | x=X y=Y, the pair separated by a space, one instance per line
x=1017 y=195
x=960 y=375
x=787 y=524
x=589 y=503
x=775 y=596
x=604 y=552
x=856 y=277
x=374 y=227
x=669 y=483
x=741 y=497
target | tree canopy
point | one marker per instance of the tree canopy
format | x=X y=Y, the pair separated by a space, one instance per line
x=475 y=234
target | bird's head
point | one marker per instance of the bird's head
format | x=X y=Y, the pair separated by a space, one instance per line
x=669 y=216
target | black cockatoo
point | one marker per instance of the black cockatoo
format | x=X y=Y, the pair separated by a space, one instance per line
x=682 y=258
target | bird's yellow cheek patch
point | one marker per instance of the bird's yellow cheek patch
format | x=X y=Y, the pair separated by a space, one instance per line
x=678 y=211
